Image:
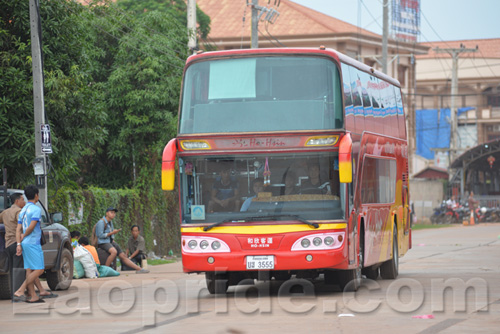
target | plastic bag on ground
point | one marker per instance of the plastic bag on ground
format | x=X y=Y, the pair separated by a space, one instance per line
x=78 y=271
x=87 y=261
x=105 y=271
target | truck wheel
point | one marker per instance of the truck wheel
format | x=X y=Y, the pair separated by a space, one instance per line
x=389 y=269
x=5 y=286
x=216 y=283
x=61 y=279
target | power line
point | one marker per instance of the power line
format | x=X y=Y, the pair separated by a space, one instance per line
x=243 y=19
x=481 y=52
x=374 y=19
x=430 y=25
x=468 y=68
x=270 y=40
x=265 y=25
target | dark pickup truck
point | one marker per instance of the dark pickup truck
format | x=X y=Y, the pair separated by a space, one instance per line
x=57 y=252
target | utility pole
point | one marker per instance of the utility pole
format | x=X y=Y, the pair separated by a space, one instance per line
x=191 y=25
x=39 y=109
x=255 y=24
x=454 y=53
x=385 y=35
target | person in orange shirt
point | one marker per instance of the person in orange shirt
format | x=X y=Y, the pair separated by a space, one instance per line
x=84 y=241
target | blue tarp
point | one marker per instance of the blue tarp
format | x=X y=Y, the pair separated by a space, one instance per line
x=433 y=130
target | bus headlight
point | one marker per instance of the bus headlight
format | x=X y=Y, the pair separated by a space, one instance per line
x=328 y=241
x=320 y=241
x=203 y=244
x=305 y=243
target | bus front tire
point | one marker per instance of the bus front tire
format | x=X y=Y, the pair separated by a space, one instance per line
x=216 y=283
x=350 y=280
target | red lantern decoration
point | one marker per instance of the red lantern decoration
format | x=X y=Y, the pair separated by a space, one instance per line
x=491 y=160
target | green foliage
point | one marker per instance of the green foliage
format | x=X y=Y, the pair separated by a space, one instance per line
x=74 y=109
x=112 y=81
x=176 y=9
x=148 y=210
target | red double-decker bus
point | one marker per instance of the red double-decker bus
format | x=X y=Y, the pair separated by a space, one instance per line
x=290 y=162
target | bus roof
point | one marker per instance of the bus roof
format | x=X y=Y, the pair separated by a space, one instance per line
x=340 y=57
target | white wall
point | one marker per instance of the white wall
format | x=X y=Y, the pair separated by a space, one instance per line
x=425 y=195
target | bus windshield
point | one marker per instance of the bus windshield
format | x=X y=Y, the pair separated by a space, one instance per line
x=255 y=94
x=232 y=188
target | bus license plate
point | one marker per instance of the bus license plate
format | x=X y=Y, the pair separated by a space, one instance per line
x=260 y=262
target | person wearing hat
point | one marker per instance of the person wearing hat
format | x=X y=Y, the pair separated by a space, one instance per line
x=104 y=231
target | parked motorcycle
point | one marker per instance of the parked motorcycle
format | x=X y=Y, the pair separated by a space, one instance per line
x=449 y=214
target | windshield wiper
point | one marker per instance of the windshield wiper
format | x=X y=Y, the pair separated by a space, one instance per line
x=274 y=217
x=206 y=228
x=277 y=217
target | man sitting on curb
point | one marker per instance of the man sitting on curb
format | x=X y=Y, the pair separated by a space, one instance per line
x=104 y=231
x=136 y=247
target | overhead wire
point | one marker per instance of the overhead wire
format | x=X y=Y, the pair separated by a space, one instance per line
x=243 y=19
x=266 y=26
x=481 y=52
x=269 y=39
x=373 y=17
x=463 y=60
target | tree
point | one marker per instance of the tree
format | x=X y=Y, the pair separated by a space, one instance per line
x=74 y=108
x=141 y=93
x=177 y=9
x=112 y=83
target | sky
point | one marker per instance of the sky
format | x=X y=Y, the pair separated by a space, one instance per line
x=439 y=20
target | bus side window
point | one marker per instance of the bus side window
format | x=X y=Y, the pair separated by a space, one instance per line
x=392 y=112
x=400 y=112
x=359 y=115
x=349 y=108
x=367 y=103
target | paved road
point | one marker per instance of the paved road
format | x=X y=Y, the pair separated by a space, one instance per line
x=448 y=283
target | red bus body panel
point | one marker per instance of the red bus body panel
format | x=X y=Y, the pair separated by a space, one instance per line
x=378 y=219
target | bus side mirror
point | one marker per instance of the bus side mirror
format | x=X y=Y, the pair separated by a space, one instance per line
x=168 y=165
x=345 y=159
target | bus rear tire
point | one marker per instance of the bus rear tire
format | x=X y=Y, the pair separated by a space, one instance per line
x=216 y=283
x=389 y=269
x=370 y=273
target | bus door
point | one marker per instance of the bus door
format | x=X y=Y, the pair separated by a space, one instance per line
x=352 y=225
x=406 y=221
